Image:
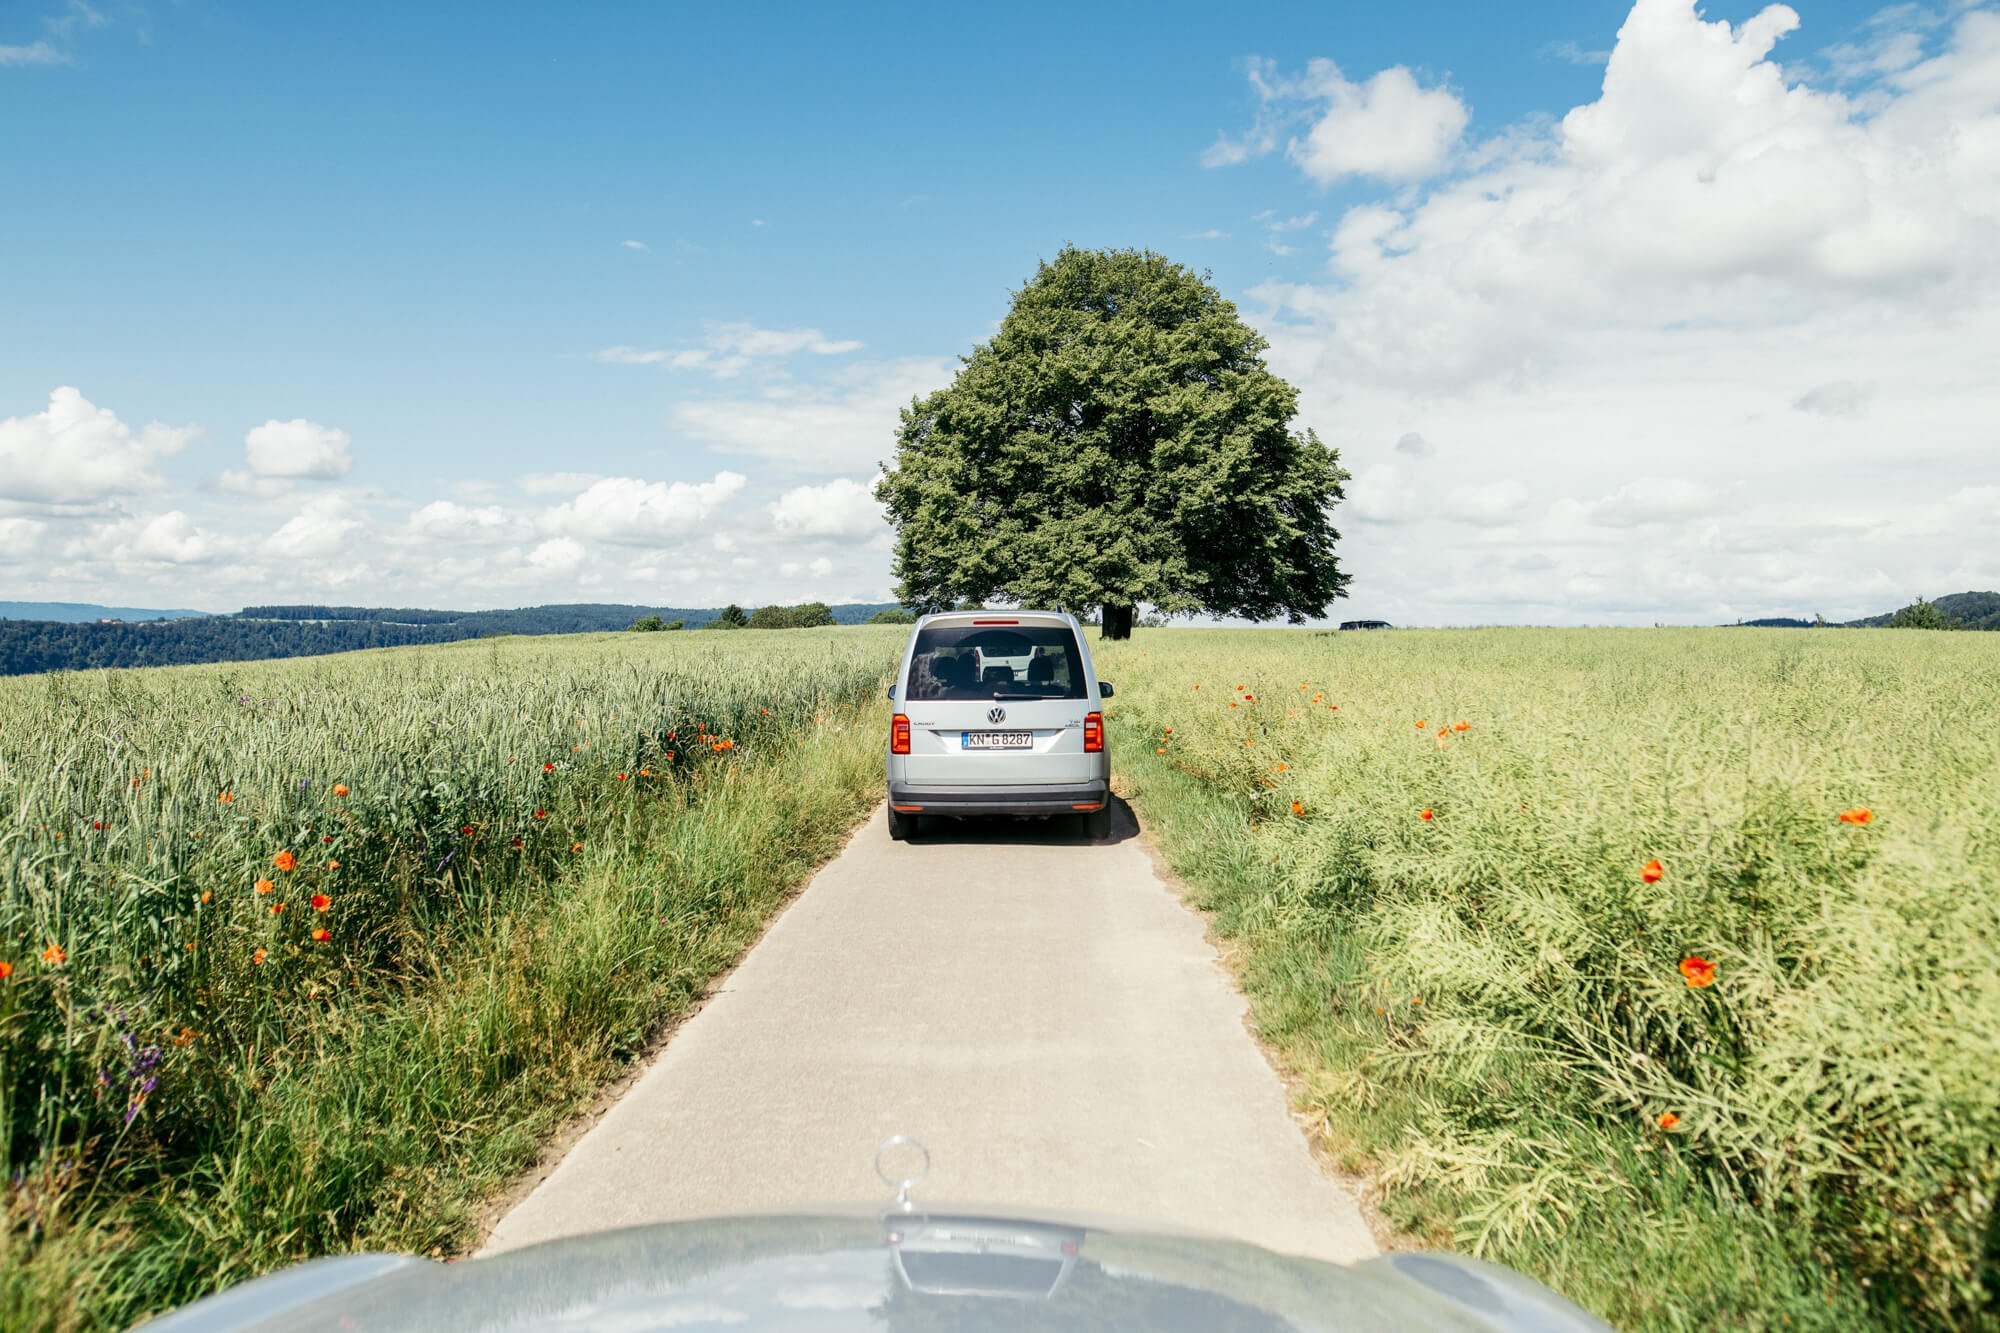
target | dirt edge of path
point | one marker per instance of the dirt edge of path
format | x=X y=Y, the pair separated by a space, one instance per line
x=1228 y=954
x=556 y=1146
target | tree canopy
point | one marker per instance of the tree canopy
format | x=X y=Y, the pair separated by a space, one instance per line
x=1118 y=442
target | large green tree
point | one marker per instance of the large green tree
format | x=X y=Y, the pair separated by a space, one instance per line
x=1118 y=442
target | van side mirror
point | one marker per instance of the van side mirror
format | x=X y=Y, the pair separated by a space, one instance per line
x=892 y=694
x=1104 y=690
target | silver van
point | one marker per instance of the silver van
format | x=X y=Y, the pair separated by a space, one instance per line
x=998 y=713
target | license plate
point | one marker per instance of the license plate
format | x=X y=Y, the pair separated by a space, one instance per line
x=996 y=740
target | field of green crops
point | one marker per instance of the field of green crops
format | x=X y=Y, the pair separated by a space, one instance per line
x=307 y=955
x=1664 y=965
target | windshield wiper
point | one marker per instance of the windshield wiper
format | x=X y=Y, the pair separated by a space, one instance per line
x=998 y=697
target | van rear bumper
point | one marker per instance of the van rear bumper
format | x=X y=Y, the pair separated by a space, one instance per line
x=999 y=800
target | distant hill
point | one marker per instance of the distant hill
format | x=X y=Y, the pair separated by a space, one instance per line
x=259 y=632
x=83 y=613
x=1972 y=610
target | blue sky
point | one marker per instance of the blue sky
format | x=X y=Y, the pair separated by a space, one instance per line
x=616 y=303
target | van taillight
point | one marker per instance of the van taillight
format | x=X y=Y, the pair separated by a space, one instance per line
x=1093 y=733
x=899 y=734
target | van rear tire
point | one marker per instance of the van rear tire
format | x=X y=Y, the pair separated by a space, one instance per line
x=902 y=827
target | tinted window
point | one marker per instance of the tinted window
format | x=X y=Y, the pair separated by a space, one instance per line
x=978 y=662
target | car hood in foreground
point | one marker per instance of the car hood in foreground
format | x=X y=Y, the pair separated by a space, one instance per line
x=931 y=1270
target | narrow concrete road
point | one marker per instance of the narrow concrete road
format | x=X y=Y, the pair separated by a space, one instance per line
x=1039 y=1011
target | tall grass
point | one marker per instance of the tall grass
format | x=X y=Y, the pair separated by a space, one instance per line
x=509 y=863
x=1488 y=1008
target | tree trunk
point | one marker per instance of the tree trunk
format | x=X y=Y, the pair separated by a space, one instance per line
x=1117 y=621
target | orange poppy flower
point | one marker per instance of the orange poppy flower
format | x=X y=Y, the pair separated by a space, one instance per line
x=54 y=955
x=1168 y=730
x=333 y=865
x=1318 y=697
x=1298 y=807
x=1421 y=724
x=205 y=894
x=1652 y=872
x=277 y=908
x=284 y=860
x=265 y=886
x=6 y=970
x=1669 y=1121
x=576 y=847
x=1233 y=703
x=340 y=789
x=1161 y=750
x=1860 y=814
x=1461 y=726
x=322 y=934
x=227 y=797
x=1698 y=970
x=1424 y=813
x=259 y=957
x=1281 y=768
x=321 y=902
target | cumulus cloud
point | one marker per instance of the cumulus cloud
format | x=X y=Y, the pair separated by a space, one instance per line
x=1650 y=309
x=76 y=453
x=1487 y=505
x=319 y=530
x=447 y=520
x=1390 y=127
x=842 y=508
x=1413 y=445
x=136 y=541
x=730 y=349
x=642 y=513
x=1841 y=398
x=558 y=557
x=34 y=53
x=842 y=422
x=297 y=450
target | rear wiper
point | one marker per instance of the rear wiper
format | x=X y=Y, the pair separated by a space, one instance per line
x=998 y=697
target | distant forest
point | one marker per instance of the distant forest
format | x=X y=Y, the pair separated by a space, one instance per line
x=260 y=632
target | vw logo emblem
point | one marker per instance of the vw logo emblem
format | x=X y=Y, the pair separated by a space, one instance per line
x=996 y=715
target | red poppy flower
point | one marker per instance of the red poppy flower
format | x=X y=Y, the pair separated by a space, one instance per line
x=1669 y=1121
x=340 y=789
x=467 y=830
x=6 y=970
x=1860 y=814
x=1698 y=970
x=548 y=768
x=327 y=838
x=322 y=934
x=621 y=777
x=97 y=823
x=321 y=902
x=541 y=814
x=1424 y=813
x=276 y=908
x=1652 y=872
x=259 y=957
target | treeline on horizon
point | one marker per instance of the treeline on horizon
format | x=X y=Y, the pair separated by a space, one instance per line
x=261 y=632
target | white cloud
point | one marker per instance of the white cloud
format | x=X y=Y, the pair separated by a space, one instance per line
x=1487 y=505
x=74 y=452
x=20 y=536
x=1210 y=235
x=730 y=349
x=1659 y=312
x=446 y=520
x=1390 y=127
x=843 y=422
x=1841 y=398
x=297 y=449
x=820 y=567
x=1413 y=445
x=640 y=246
x=555 y=483
x=319 y=530
x=643 y=513
x=558 y=556
x=842 y=508
x=34 y=53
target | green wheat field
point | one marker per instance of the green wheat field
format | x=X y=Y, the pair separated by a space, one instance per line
x=1662 y=965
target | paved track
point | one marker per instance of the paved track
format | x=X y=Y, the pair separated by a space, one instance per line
x=1039 y=1011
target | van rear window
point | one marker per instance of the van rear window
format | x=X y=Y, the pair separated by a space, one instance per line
x=980 y=662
